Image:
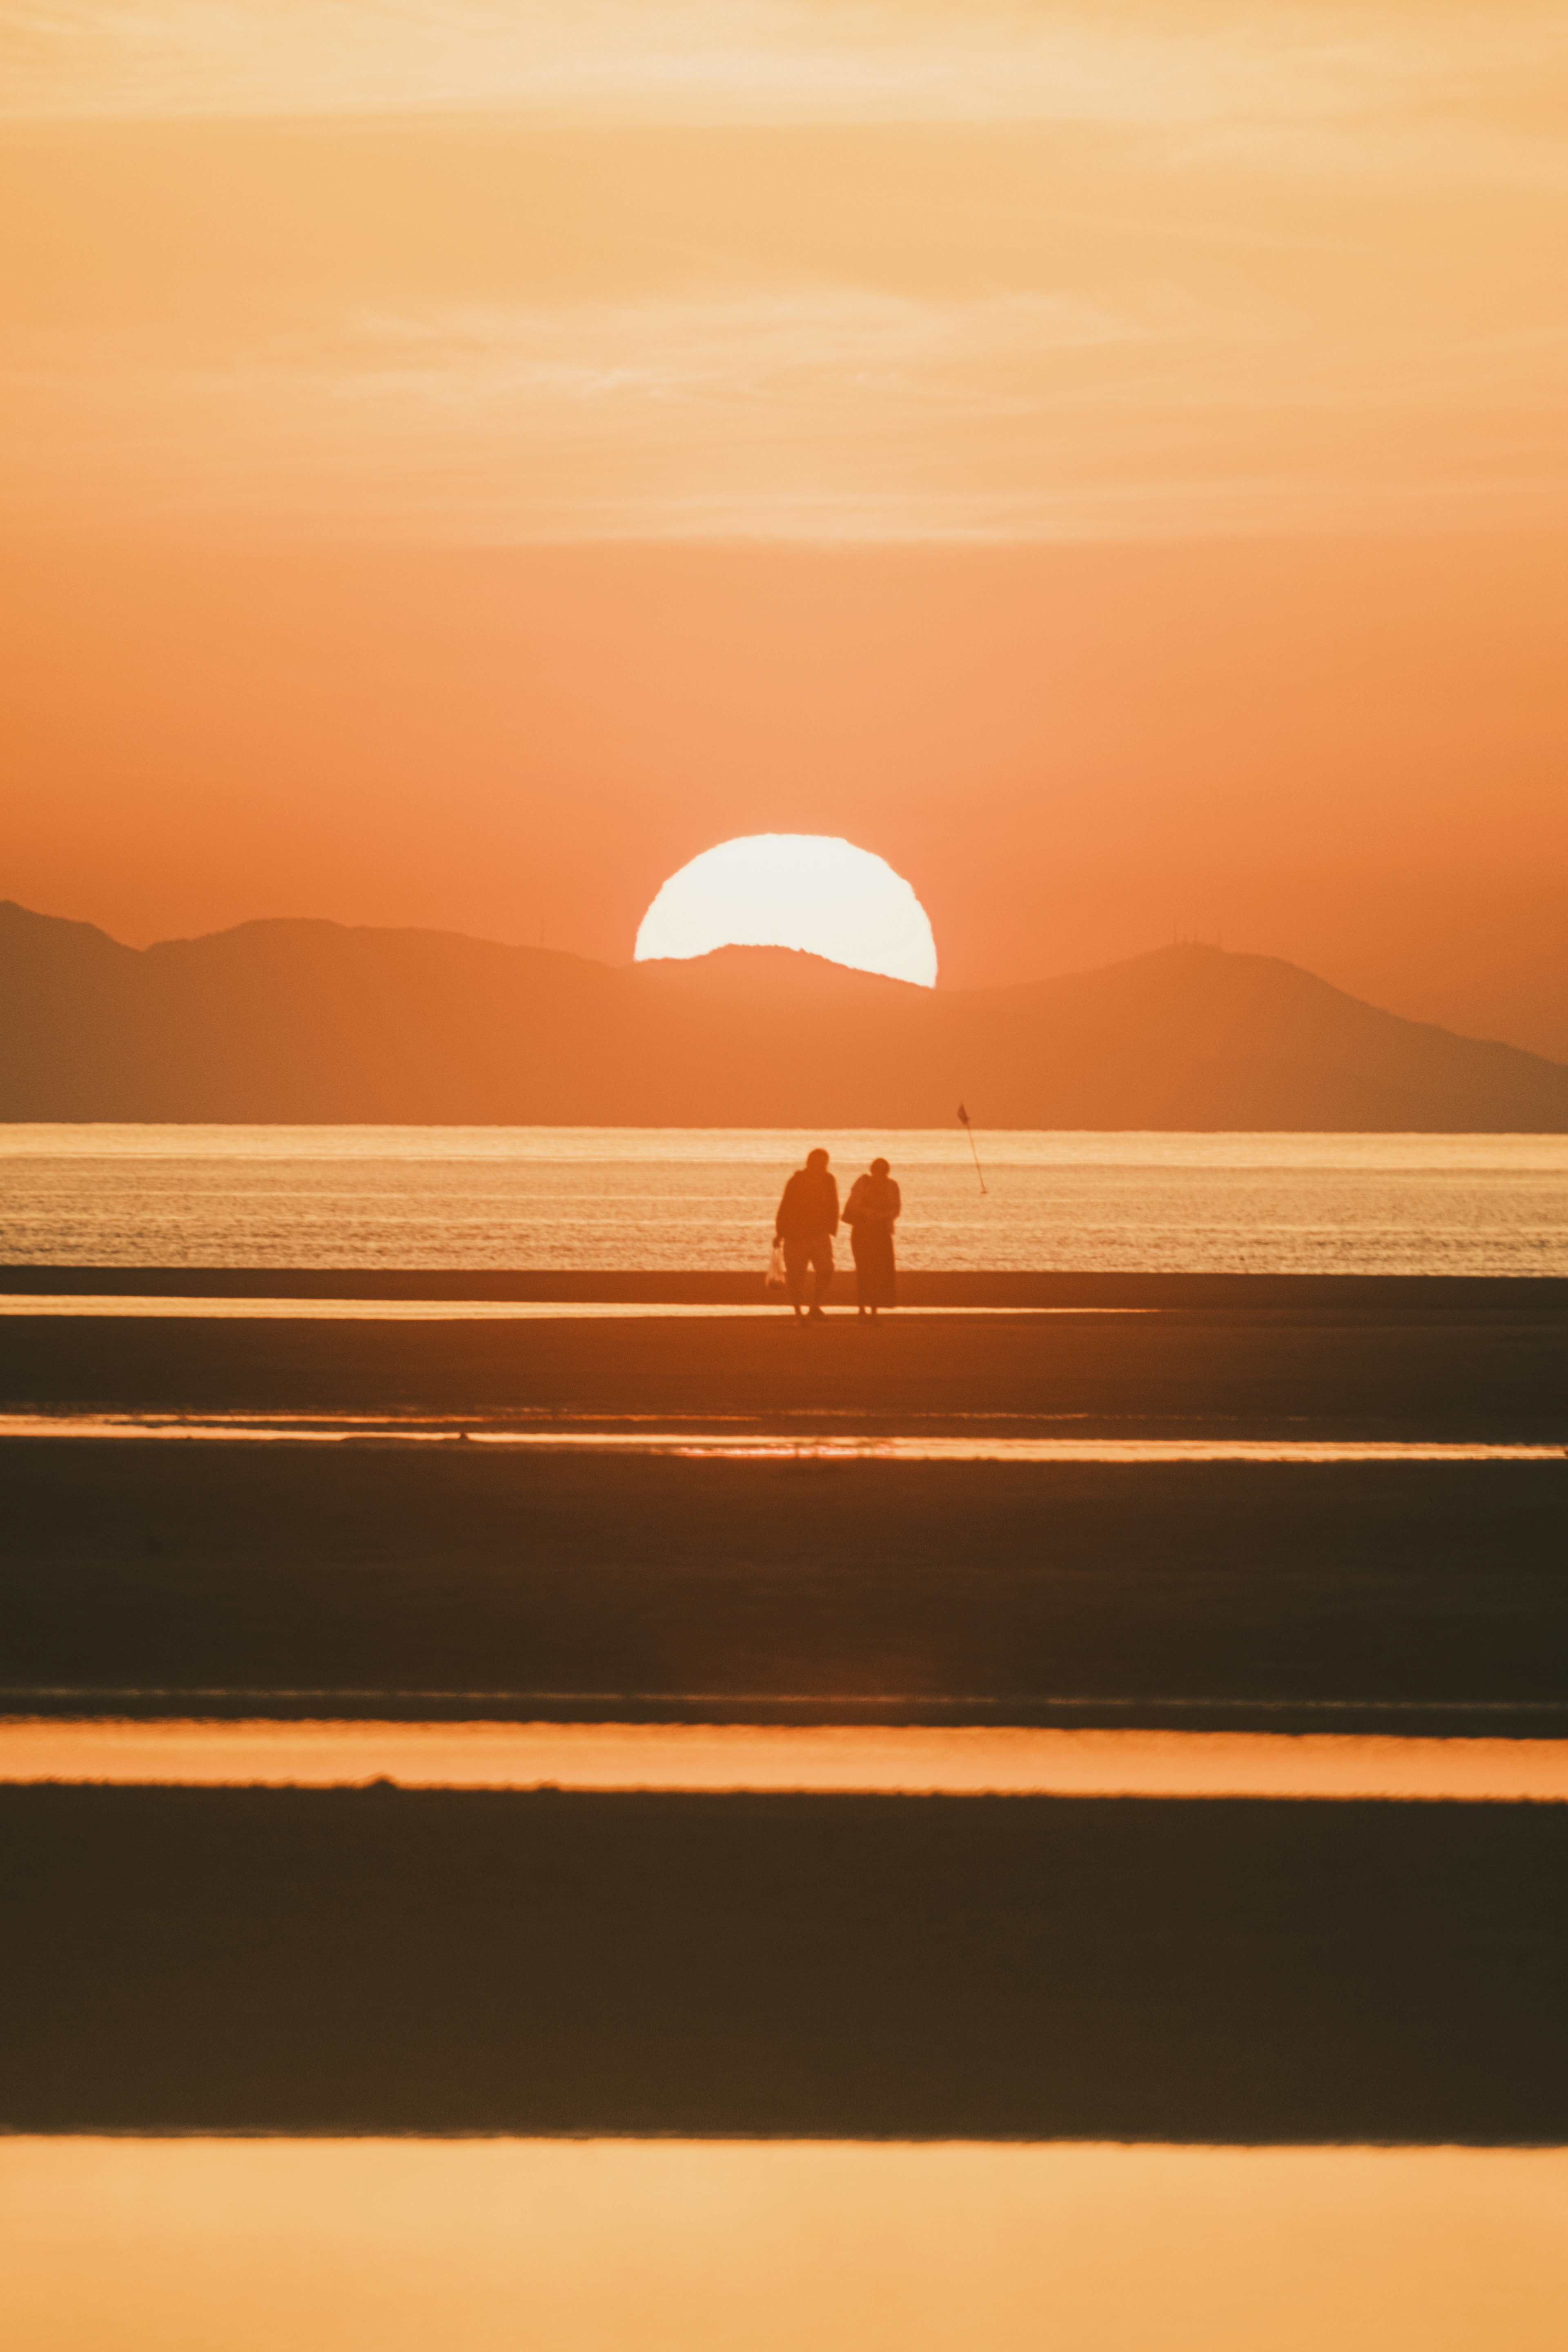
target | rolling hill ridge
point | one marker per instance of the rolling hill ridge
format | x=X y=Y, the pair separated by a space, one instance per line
x=313 y=1022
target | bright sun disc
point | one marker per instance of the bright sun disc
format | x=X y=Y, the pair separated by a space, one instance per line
x=793 y=890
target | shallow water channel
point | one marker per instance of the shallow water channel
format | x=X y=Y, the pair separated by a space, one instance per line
x=379 y=2245
x=869 y=1760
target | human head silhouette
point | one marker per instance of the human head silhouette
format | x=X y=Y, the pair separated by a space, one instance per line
x=879 y=1168
x=817 y=1159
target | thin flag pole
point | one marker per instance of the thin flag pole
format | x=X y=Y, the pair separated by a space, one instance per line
x=968 y=1130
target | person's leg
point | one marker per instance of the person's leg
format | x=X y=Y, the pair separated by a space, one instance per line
x=797 y=1257
x=880 y=1277
x=822 y=1269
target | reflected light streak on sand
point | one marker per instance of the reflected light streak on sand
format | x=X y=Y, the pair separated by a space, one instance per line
x=860 y=1760
x=184 y=1308
x=752 y=1445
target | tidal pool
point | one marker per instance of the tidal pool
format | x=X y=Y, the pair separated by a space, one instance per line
x=377 y=2245
x=866 y=1759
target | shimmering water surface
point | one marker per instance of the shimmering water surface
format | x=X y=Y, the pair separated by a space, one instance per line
x=367 y=2245
x=664 y=1197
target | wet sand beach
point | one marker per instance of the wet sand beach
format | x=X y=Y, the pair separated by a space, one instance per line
x=1496 y=1369
x=467 y=1580
x=385 y=1959
x=905 y=1967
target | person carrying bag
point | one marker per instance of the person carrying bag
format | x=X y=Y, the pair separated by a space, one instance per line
x=803 y=1230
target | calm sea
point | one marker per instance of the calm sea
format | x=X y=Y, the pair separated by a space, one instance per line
x=618 y=1197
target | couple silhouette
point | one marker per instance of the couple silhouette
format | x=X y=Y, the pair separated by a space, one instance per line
x=807 y=1220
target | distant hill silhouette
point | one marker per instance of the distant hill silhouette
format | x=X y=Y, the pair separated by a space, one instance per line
x=313 y=1022
x=1502 y=972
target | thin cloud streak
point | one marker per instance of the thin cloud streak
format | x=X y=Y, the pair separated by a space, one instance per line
x=1254 y=268
x=820 y=413
x=1252 y=74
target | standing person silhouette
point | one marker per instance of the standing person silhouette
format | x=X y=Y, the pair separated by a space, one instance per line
x=806 y=1225
x=870 y=1212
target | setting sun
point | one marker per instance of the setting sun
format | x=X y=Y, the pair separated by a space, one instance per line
x=793 y=890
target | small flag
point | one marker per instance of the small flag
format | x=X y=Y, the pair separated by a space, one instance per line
x=964 y=1121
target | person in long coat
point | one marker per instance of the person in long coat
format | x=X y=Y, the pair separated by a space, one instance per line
x=870 y=1212
x=806 y=1225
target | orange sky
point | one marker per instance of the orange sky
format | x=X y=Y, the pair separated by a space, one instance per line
x=461 y=460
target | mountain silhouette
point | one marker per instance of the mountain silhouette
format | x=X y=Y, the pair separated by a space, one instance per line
x=307 y=1021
